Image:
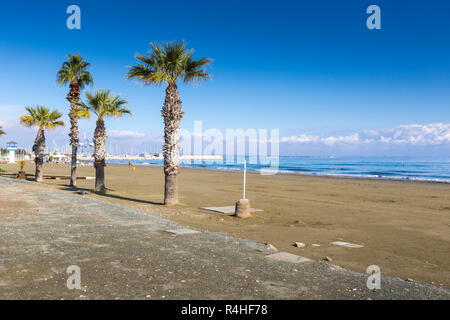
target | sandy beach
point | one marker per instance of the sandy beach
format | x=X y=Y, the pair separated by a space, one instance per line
x=404 y=226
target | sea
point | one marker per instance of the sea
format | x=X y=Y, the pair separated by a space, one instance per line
x=395 y=168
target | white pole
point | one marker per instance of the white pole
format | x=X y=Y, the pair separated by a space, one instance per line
x=12 y=154
x=245 y=175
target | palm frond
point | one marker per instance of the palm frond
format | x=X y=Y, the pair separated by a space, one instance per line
x=74 y=71
x=82 y=110
x=169 y=62
x=42 y=117
x=104 y=104
x=27 y=121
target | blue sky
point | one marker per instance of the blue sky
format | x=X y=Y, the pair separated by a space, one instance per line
x=309 y=68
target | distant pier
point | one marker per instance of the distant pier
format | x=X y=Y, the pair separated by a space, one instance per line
x=159 y=157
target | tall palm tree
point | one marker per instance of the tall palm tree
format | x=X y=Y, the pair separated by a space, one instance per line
x=73 y=72
x=169 y=63
x=103 y=104
x=42 y=118
x=2 y=132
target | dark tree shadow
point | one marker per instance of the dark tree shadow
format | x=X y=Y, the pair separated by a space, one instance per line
x=105 y=194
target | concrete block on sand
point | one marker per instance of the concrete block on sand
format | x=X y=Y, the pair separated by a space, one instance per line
x=287 y=257
x=346 y=244
x=179 y=232
x=227 y=209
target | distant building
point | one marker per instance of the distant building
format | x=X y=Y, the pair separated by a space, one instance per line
x=12 y=148
x=57 y=157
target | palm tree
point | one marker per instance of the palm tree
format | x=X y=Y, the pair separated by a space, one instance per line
x=73 y=72
x=2 y=132
x=42 y=118
x=168 y=63
x=103 y=104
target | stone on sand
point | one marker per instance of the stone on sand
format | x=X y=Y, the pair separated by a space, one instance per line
x=271 y=247
x=299 y=244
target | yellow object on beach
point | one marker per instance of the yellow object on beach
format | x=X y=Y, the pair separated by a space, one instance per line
x=133 y=168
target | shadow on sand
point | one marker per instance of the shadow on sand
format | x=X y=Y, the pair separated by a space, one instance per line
x=104 y=194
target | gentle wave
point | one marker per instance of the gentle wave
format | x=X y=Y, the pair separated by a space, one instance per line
x=416 y=169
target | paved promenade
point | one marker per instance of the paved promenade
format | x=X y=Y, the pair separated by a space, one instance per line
x=124 y=253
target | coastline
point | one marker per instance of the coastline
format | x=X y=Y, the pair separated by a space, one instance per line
x=401 y=169
x=289 y=173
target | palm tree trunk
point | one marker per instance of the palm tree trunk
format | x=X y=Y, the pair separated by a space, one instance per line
x=73 y=96
x=100 y=155
x=172 y=115
x=38 y=149
x=74 y=142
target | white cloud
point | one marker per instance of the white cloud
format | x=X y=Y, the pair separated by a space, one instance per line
x=413 y=134
x=125 y=134
x=9 y=115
